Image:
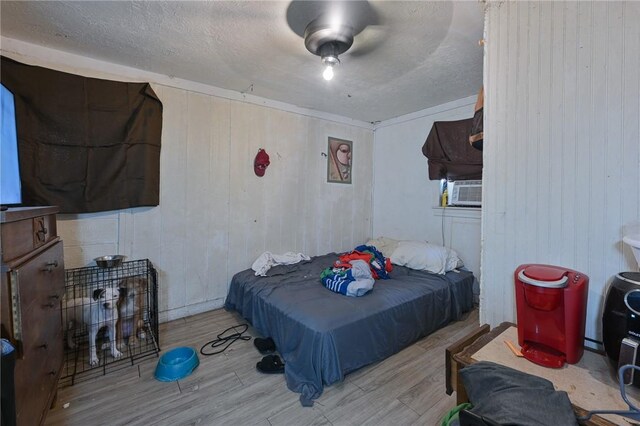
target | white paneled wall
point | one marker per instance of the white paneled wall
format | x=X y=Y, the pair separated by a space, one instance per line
x=405 y=200
x=215 y=216
x=562 y=147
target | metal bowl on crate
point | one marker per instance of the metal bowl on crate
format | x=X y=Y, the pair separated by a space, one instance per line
x=110 y=261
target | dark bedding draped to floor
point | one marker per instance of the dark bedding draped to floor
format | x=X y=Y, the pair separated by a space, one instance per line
x=322 y=335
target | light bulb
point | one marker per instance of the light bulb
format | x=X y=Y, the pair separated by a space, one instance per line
x=328 y=73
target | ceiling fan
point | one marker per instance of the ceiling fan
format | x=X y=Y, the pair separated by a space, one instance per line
x=329 y=27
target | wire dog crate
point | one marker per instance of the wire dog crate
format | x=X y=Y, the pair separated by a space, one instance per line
x=117 y=309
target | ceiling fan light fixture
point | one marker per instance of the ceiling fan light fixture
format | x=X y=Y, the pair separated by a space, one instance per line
x=328 y=73
x=320 y=33
x=329 y=60
x=328 y=40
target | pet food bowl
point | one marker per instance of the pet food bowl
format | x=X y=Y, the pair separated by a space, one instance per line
x=110 y=261
x=176 y=364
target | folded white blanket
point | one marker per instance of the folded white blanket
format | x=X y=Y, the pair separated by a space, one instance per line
x=267 y=260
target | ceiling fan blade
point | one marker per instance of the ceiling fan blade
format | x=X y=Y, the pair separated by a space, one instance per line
x=368 y=40
x=358 y=14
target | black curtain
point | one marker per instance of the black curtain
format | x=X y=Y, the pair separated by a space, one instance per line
x=449 y=154
x=85 y=144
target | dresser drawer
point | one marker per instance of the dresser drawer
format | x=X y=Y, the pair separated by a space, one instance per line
x=35 y=377
x=40 y=324
x=36 y=288
x=21 y=234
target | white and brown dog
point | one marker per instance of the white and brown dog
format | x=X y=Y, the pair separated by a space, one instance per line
x=130 y=309
x=96 y=312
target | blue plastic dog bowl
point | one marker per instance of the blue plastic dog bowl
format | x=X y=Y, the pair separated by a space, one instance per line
x=176 y=364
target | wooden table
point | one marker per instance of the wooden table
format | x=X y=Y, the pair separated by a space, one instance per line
x=590 y=384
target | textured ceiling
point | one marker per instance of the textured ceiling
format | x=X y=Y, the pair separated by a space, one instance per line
x=420 y=55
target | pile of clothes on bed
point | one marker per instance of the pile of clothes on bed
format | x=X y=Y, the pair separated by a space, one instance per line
x=355 y=272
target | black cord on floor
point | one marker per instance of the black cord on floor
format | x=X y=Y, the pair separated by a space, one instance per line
x=228 y=339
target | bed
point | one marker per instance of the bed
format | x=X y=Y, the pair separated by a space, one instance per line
x=322 y=335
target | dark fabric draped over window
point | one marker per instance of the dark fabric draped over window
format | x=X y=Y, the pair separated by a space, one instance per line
x=85 y=144
x=449 y=154
x=476 y=138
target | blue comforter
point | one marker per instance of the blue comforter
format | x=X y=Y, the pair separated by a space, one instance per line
x=322 y=335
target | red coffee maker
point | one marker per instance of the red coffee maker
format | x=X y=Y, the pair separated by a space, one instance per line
x=552 y=305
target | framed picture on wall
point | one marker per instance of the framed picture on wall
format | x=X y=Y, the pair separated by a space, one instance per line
x=339 y=160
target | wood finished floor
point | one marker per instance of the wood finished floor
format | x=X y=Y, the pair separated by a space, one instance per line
x=405 y=389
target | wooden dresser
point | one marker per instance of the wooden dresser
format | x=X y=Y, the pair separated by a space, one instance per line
x=32 y=286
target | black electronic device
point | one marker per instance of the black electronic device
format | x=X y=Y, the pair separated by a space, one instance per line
x=618 y=321
x=629 y=356
x=632 y=302
x=10 y=185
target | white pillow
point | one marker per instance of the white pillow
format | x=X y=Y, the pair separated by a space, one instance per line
x=423 y=256
x=385 y=245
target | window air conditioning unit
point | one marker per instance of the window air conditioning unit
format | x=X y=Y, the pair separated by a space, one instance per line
x=465 y=193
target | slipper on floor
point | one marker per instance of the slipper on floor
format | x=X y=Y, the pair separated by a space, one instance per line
x=270 y=364
x=264 y=346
